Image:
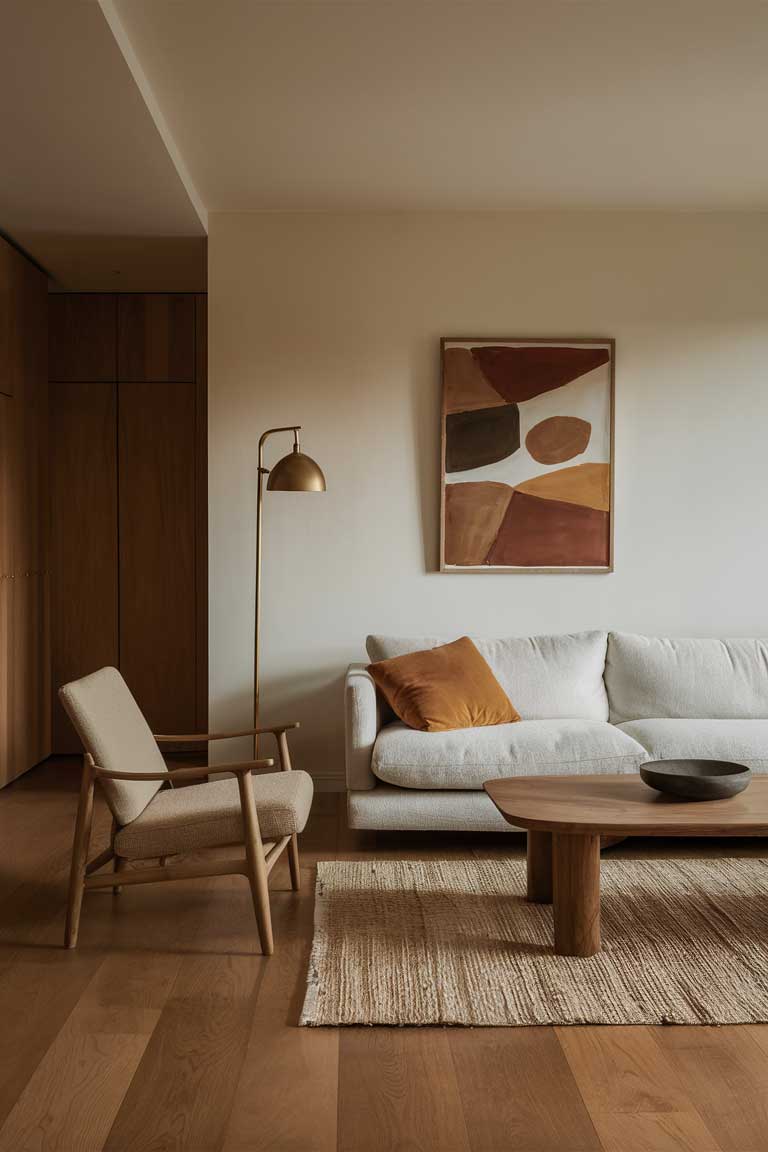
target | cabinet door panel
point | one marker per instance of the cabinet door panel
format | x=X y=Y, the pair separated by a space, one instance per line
x=82 y=336
x=84 y=600
x=157 y=550
x=24 y=674
x=156 y=337
x=24 y=617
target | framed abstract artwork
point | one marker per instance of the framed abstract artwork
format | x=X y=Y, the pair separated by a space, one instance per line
x=527 y=455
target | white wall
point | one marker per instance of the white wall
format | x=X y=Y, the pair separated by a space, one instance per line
x=333 y=321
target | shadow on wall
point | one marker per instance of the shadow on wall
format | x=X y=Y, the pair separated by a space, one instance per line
x=425 y=425
x=314 y=698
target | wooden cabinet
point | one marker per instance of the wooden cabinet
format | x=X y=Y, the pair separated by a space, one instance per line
x=156 y=337
x=84 y=534
x=157 y=550
x=82 y=336
x=129 y=498
x=24 y=518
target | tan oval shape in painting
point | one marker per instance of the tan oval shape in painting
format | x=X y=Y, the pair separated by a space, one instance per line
x=557 y=439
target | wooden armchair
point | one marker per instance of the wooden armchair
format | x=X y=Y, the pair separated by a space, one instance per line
x=265 y=813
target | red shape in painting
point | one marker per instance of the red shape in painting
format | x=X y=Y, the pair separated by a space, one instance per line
x=519 y=374
x=538 y=533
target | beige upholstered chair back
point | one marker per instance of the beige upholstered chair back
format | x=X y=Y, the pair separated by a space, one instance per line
x=113 y=730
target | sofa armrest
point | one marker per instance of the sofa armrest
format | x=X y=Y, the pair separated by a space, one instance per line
x=362 y=721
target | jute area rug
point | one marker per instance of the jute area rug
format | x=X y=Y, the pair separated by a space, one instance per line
x=455 y=942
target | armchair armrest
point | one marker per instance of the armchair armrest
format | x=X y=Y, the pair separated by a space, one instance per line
x=362 y=721
x=204 y=737
x=200 y=773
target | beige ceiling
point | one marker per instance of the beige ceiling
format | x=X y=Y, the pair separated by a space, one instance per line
x=82 y=158
x=321 y=104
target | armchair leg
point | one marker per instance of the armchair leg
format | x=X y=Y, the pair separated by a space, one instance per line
x=293 y=862
x=80 y=845
x=257 y=867
x=118 y=863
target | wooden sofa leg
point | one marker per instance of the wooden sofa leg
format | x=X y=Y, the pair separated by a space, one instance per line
x=294 y=863
x=80 y=845
x=120 y=864
x=257 y=867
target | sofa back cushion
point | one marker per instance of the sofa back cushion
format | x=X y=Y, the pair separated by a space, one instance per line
x=649 y=677
x=546 y=677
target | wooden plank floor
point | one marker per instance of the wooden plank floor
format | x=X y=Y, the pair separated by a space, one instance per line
x=167 y=1029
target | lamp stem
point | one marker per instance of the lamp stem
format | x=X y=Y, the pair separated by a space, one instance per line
x=262 y=472
x=257 y=604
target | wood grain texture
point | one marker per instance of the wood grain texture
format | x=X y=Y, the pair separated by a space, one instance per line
x=265 y=1114
x=24 y=518
x=82 y=336
x=576 y=894
x=634 y=1095
x=518 y=1092
x=157 y=565
x=395 y=1080
x=156 y=337
x=625 y=806
x=184 y=1088
x=84 y=585
x=725 y=1074
x=539 y=867
x=201 y=510
x=77 y=1088
x=6 y=317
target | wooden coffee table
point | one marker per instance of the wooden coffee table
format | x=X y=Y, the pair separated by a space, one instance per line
x=565 y=816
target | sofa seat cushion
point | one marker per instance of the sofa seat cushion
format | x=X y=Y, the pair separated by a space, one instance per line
x=209 y=815
x=466 y=757
x=741 y=741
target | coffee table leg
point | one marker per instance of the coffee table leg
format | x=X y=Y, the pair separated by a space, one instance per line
x=576 y=889
x=539 y=854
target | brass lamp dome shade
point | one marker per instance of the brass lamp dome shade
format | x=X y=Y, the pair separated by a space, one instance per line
x=296 y=472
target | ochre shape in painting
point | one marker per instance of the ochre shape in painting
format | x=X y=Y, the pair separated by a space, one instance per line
x=465 y=387
x=558 y=438
x=539 y=533
x=522 y=373
x=473 y=515
x=485 y=436
x=587 y=484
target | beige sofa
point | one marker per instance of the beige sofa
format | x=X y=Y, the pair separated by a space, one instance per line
x=590 y=702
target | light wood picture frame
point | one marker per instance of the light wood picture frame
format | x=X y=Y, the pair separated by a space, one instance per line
x=527 y=454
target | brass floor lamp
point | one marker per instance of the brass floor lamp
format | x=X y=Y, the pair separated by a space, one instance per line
x=294 y=473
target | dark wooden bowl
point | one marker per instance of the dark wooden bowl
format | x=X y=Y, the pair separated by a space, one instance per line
x=696 y=779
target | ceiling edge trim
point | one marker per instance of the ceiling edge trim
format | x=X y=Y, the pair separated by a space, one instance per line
x=142 y=83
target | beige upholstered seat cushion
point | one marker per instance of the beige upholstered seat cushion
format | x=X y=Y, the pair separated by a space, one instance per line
x=110 y=724
x=742 y=741
x=465 y=757
x=209 y=815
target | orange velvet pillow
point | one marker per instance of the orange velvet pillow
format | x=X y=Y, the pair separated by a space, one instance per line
x=443 y=688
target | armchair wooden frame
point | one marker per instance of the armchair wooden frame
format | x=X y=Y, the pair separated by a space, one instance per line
x=255 y=865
